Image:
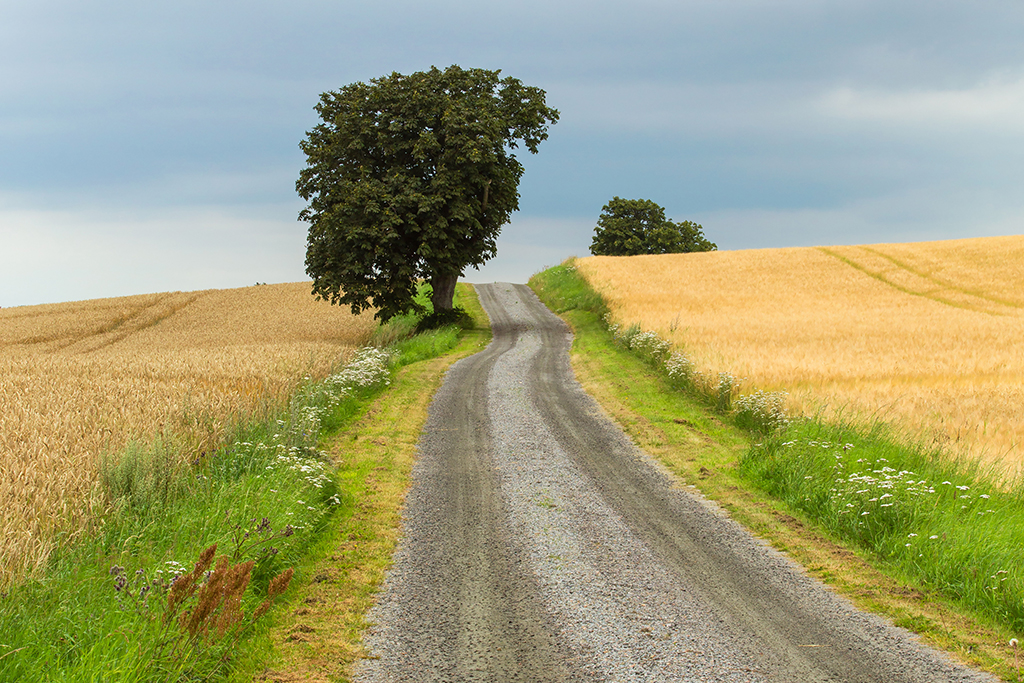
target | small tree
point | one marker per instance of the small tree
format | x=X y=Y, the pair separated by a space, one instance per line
x=628 y=227
x=410 y=178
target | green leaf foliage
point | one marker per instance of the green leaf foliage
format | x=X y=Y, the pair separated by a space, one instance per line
x=628 y=227
x=411 y=177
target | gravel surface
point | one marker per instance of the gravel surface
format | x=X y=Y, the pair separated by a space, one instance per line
x=540 y=545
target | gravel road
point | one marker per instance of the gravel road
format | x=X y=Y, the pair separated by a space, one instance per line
x=540 y=544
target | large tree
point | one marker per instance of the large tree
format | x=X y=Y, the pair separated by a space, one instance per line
x=628 y=227
x=409 y=178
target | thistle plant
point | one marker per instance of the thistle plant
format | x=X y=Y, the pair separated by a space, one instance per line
x=256 y=540
x=132 y=590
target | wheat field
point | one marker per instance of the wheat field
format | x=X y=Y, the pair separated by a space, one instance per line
x=927 y=336
x=83 y=378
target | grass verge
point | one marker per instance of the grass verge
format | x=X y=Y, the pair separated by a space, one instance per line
x=784 y=485
x=178 y=581
x=318 y=637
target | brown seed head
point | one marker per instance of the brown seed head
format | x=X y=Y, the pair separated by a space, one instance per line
x=279 y=584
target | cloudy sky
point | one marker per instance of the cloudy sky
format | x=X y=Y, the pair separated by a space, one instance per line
x=153 y=146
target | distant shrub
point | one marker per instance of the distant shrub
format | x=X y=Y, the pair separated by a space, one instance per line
x=628 y=227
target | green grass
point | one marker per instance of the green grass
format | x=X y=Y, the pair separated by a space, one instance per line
x=930 y=518
x=319 y=638
x=268 y=496
x=562 y=289
x=936 y=540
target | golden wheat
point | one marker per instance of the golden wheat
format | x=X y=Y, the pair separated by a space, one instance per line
x=80 y=379
x=927 y=335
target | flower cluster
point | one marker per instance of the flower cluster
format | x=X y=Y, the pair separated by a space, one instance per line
x=679 y=368
x=727 y=385
x=650 y=345
x=763 y=411
x=867 y=497
x=884 y=487
x=171 y=570
x=369 y=367
x=286 y=452
x=647 y=345
x=314 y=471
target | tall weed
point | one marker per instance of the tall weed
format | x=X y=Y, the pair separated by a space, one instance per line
x=142 y=475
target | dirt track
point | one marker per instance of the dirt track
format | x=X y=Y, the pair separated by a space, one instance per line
x=541 y=545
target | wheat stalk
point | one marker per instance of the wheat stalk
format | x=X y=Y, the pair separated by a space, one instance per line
x=925 y=334
x=81 y=379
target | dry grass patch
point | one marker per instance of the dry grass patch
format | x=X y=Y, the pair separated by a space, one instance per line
x=925 y=334
x=83 y=378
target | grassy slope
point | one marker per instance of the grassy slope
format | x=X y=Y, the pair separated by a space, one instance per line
x=703 y=449
x=318 y=637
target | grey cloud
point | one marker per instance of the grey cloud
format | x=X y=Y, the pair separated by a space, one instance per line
x=772 y=122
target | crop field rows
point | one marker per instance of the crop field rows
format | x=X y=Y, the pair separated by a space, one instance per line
x=925 y=335
x=81 y=379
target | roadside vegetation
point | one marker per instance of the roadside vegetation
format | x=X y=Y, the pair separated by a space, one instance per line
x=84 y=378
x=925 y=334
x=902 y=528
x=320 y=638
x=178 y=578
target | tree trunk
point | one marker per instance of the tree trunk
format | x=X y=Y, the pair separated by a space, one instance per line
x=444 y=291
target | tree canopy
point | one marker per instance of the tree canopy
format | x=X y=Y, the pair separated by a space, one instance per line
x=409 y=178
x=628 y=227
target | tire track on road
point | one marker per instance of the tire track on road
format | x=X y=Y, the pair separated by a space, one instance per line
x=461 y=604
x=541 y=545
